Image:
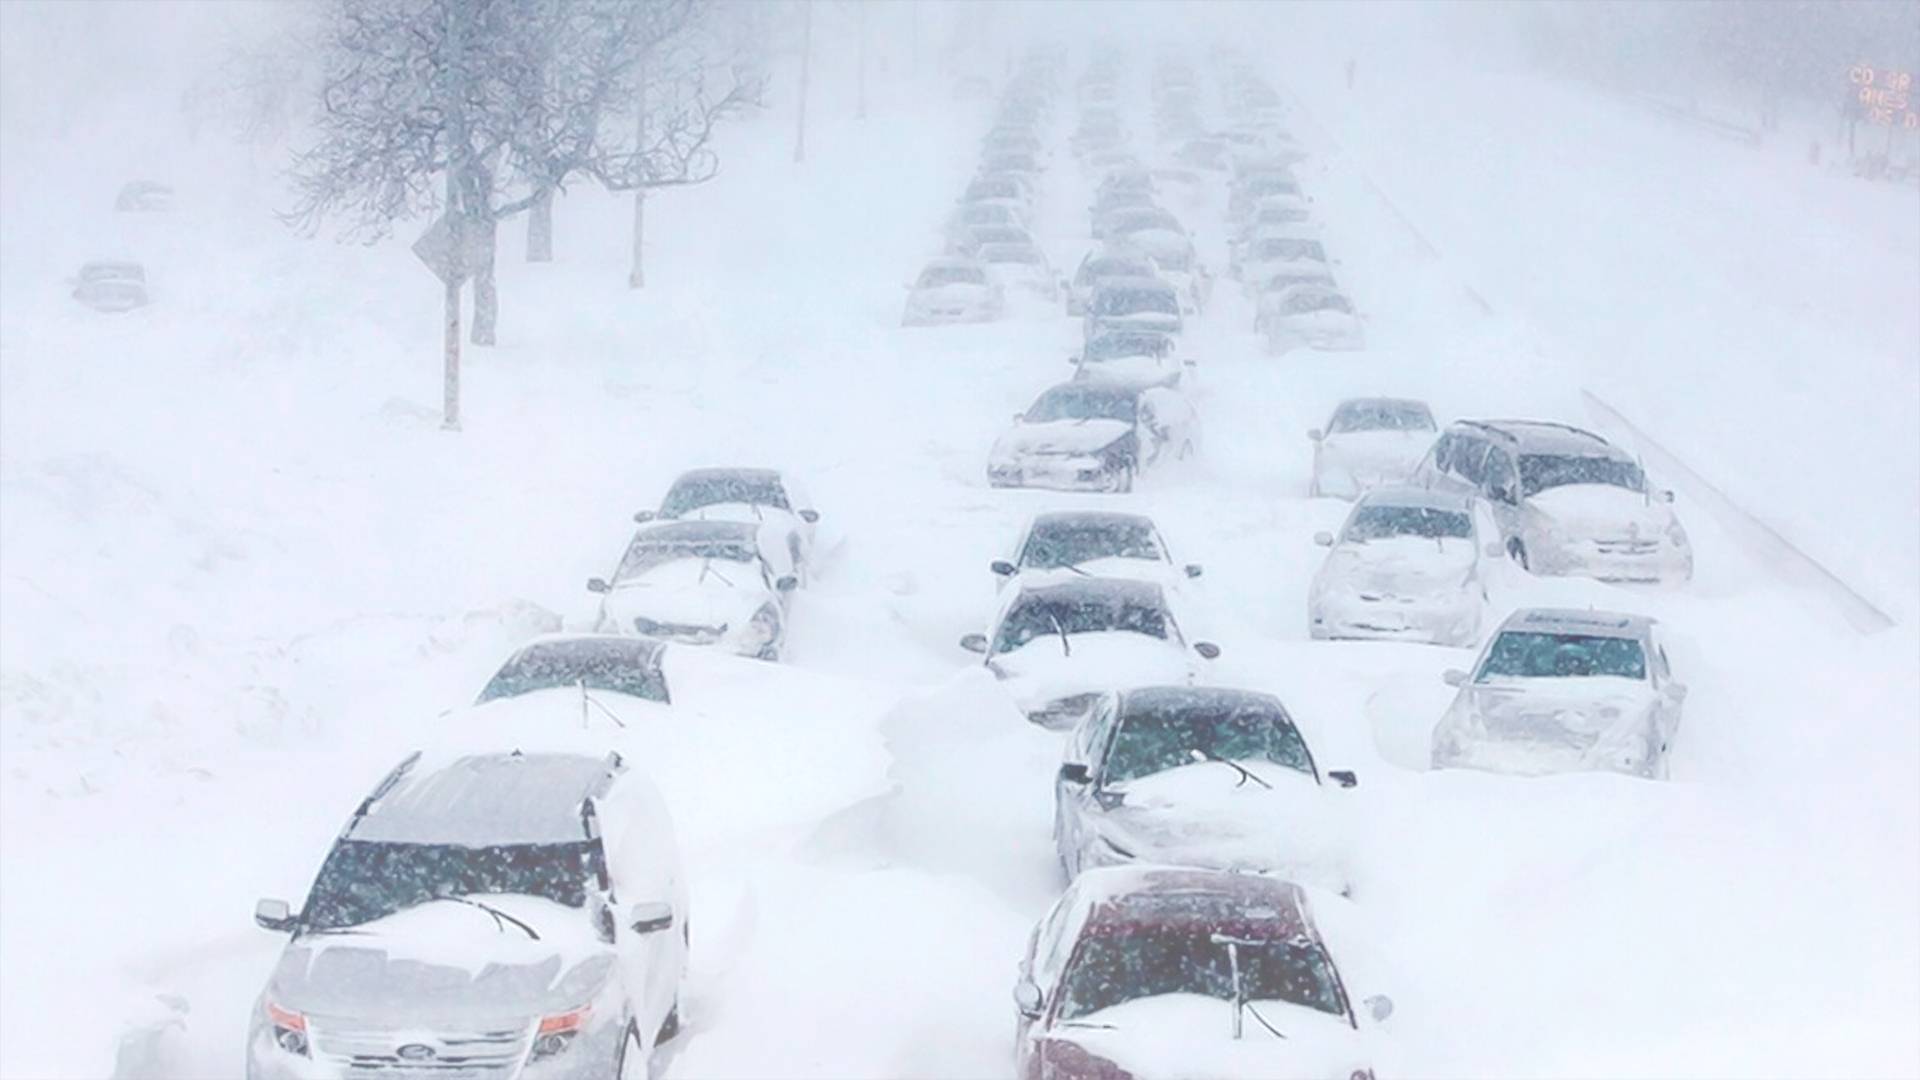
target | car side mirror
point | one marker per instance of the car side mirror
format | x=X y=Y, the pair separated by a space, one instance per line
x=1026 y=998
x=1207 y=650
x=1194 y=570
x=641 y=517
x=810 y=516
x=1002 y=567
x=1379 y=1006
x=974 y=643
x=650 y=917
x=273 y=915
x=1343 y=777
x=787 y=583
x=1666 y=495
x=599 y=585
x=1454 y=677
x=1323 y=538
x=1074 y=772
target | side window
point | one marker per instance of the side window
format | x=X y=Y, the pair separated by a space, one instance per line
x=1500 y=476
x=1470 y=461
x=1445 y=451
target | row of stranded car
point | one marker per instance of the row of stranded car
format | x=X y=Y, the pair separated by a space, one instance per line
x=114 y=286
x=509 y=901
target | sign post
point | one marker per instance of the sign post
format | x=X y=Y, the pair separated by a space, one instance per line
x=449 y=250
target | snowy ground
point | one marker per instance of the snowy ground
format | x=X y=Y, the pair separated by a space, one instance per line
x=243 y=569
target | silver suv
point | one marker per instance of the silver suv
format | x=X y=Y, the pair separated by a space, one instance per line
x=512 y=915
x=1564 y=691
x=1567 y=501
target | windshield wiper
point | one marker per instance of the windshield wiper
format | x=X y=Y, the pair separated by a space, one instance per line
x=1086 y=1024
x=1075 y=567
x=706 y=567
x=1066 y=649
x=1240 y=1004
x=500 y=918
x=588 y=699
x=1246 y=774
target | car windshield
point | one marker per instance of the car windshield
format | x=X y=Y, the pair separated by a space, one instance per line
x=1042 y=616
x=1381 y=416
x=690 y=493
x=645 y=555
x=1281 y=215
x=1523 y=654
x=934 y=277
x=619 y=667
x=1307 y=303
x=1131 y=221
x=1538 y=472
x=1271 y=184
x=1008 y=253
x=1113 y=267
x=1289 y=248
x=1132 y=301
x=1236 y=729
x=364 y=880
x=986 y=214
x=1069 y=543
x=1080 y=402
x=1111 y=969
x=1112 y=346
x=1178 y=262
x=1384 y=522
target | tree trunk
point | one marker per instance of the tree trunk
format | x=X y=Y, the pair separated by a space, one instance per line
x=540 y=228
x=486 y=297
x=450 y=372
x=637 y=277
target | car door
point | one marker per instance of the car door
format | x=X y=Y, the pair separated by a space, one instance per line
x=643 y=867
x=1500 y=484
x=1667 y=703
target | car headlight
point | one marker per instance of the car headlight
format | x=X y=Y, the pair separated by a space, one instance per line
x=289 y=1030
x=557 y=1032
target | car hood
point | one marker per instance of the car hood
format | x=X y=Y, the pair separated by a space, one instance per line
x=446 y=963
x=1142 y=320
x=1553 y=708
x=1063 y=437
x=1190 y=1037
x=1204 y=814
x=1113 y=566
x=1602 y=510
x=1402 y=564
x=1131 y=369
x=676 y=593
x=1376 y=450
x=1040 y=671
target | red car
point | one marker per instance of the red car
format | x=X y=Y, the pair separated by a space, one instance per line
x=1140 y=973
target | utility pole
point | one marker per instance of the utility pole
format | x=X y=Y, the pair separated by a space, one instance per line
x=806 y=59
x=457 y=150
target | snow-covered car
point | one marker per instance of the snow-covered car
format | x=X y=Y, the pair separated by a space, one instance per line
x=1567 y=501
x=765 y=497
x=111 y=287
x=1059 y=645
x=1408 y=565
x=1145 y=357
x=1282 y=277
x=968 y=215
x=1022 y=267
x=1249 y=188
x=1103 y=543
x=968 y=242
x=953 y=290
x=500 y=913
x=1274 y=249
x=1152 y=229
x=1103 y=264
x=1367 y=442
x=712 y=583
x=604 y=663
x=1007 y=189
x=1012 y=162
x=1179 y=265
x=1093 y=436
x=1132 y=304
x=1311 y=317
x=1112 y=203
x=1197 y=776
x=144 y=197
x=1160 y=972
x=1564 y=691
x=1288 y=214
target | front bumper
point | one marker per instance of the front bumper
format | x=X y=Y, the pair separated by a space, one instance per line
x=1057 y=473
x=1449 y=620
x=1464 y=747
x=947 y=316
x=1647 y=562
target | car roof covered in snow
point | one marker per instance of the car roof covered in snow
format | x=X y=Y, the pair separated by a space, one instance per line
x=485 y=799
x=1578 y=621
x=1125 y=897
x=1408 y=495
x=1098 y=519
x=1548 y=437
x=1126 y=590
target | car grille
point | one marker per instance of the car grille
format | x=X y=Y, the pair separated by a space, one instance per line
x=461 y=1055
x=1624 y=546
x=1541 y=729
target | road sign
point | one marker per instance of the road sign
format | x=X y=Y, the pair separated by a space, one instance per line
x=452 y=263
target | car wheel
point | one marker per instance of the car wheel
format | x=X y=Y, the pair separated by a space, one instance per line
x=768 y=618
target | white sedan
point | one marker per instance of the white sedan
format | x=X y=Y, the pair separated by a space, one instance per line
x=1101 y=543
x=1369 y=441
x=953 y=290
x=1410 y=564
x=713 y=583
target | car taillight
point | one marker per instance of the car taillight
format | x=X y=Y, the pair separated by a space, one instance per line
x=557 y=1032
x=289 y=1029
